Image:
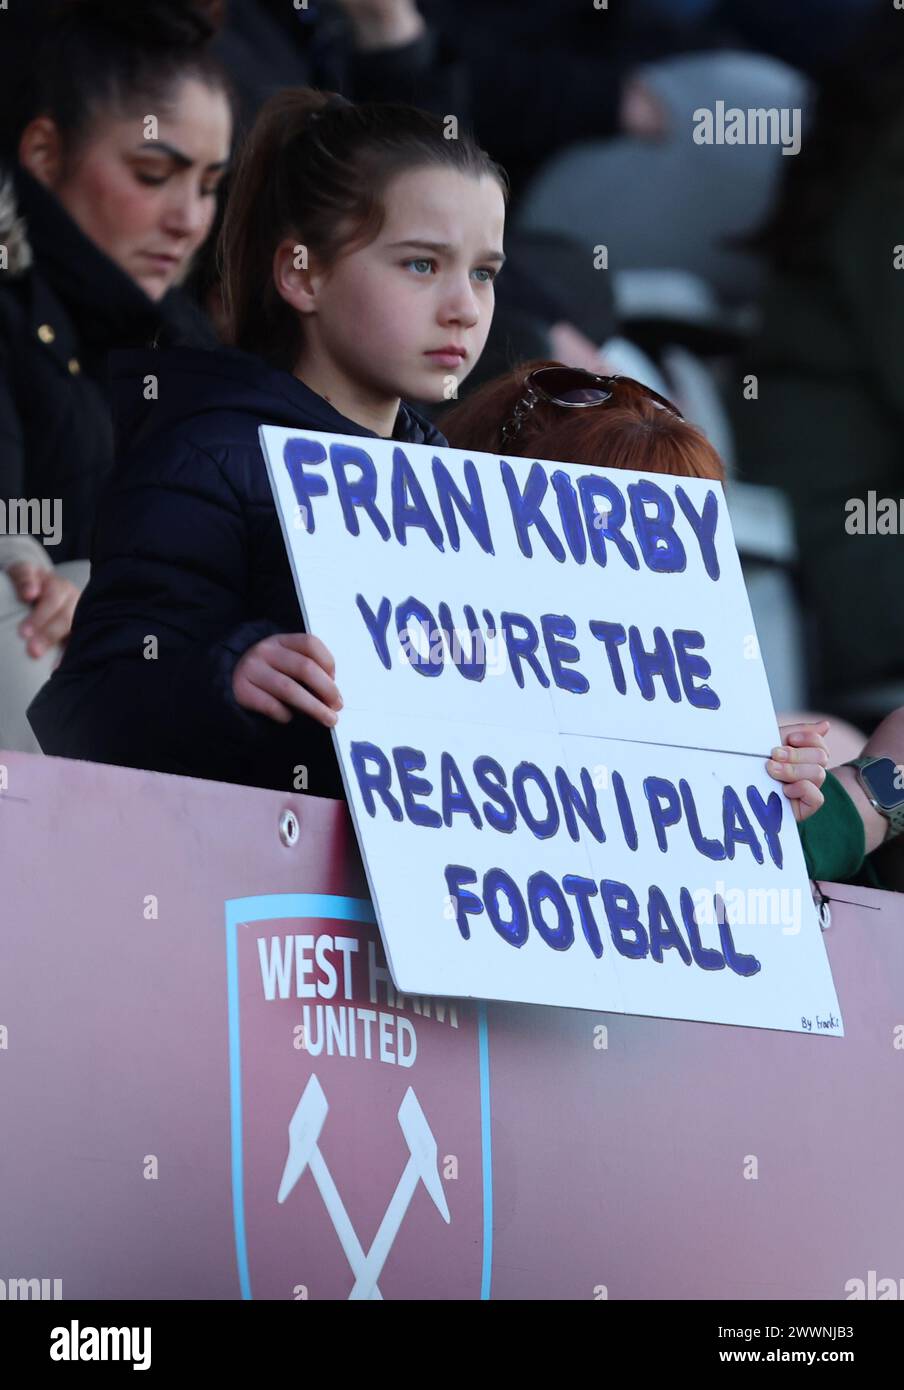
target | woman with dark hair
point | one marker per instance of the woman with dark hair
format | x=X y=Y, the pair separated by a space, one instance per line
x=359 y=248
x=120 y=147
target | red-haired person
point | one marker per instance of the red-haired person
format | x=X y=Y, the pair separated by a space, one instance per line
x=546 y=410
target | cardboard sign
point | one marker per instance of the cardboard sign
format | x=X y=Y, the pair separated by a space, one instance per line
x=554 y=731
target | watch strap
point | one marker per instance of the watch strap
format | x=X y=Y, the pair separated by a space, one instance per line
x=895 y=817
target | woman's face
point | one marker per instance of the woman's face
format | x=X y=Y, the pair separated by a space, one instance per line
x=379 y=315
x=147 y=196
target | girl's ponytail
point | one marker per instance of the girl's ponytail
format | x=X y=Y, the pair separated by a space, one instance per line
x=260 y=211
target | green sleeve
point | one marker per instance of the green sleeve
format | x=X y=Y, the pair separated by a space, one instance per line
x=833 y=839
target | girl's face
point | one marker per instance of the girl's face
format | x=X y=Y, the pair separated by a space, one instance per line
x=146 y=196
x=375 y=321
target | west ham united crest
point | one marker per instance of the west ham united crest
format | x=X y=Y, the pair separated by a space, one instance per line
x=360 y=1135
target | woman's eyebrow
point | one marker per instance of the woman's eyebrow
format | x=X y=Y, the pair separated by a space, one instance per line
x=183 y=160
x=445 y=247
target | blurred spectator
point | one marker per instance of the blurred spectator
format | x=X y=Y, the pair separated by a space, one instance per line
x=808 y=34
x=827 y=421
x=544 y=77
x=370 y=50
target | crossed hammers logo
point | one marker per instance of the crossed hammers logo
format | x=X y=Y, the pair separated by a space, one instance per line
x=304 y=1152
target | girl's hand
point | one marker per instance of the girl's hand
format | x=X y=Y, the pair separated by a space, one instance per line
x=54 y=600
x=801 y=764
x=289 y=671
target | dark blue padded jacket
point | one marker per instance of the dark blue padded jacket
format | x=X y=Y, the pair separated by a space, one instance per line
x=188 y=550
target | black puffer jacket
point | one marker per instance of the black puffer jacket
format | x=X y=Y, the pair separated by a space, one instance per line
x=63 y=306
x=189 y=551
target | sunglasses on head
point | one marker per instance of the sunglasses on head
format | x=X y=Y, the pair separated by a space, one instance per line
x=573 y=388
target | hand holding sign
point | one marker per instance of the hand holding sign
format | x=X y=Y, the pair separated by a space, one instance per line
x=286 y=672
x=801 y=764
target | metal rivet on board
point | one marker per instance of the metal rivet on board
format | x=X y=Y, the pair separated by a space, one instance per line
x=288 y=828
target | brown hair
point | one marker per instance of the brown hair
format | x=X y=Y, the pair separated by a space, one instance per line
x=317 y=166
x=100 y=54
x=628 y=432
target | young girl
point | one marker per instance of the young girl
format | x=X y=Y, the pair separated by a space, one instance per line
x=359 y=250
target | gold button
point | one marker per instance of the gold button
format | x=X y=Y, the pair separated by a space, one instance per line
x=74 y=366
x=46 y=333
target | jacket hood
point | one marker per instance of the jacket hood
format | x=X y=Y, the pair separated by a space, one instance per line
x=188 y=384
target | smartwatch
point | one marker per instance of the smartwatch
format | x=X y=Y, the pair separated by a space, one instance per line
x=883 y=782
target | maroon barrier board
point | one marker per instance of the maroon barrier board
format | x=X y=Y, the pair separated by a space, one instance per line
x=210 y=1089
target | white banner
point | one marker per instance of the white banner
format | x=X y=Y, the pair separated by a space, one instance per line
x=554 y=731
